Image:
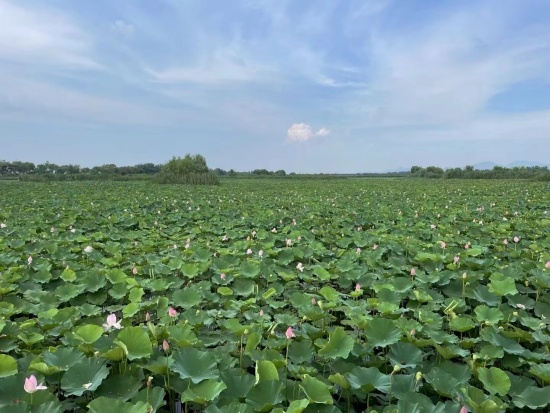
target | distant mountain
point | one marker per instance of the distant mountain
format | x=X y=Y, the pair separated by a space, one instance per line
x=491 y=165
x=484 y=165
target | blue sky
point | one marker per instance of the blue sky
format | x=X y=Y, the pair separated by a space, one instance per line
x=305 y=86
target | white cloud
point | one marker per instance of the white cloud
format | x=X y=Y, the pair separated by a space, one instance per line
x=303 y=132
x=40 y=37
x=125 y=29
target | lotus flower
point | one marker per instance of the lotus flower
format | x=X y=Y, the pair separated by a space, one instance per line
x=261 y=253
x=112 y=323
x=88 y=249
x=358 y=250
x=443 y=244
x=31 y=385
x=165 y=345
x=288 y=242
x=261 y=313
x=357 y=287
x=2 y=225
x=547 y=264
x=52 y=229
x=516 y=239
x=374 y=247
x=300 y=267
x=172 y=312
x=413 y=272
x=134 y=270
x=147 y=316
x=274 y=230
x=313 y=301
x=289 y=333
x=455 y=259
x=432 y=226
x=29 y=260
x=249 y=251
x=254 y=233
x=463 y=409
x=505 y=242
x=222 y=276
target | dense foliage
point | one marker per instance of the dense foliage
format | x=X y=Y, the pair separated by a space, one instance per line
x=537 y=173
x=191 y=170
x=400 y=295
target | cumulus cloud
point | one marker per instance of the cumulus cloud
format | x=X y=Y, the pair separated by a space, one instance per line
x=125 y=29
x=303 y=132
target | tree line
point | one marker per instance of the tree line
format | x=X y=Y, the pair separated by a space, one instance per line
x=540 y=173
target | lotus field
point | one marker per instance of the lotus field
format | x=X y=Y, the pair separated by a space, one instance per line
x=357 y=295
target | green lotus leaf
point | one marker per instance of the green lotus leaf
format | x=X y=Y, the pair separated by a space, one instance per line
x=488 y=315
x=68 y=275
x=339 y=344
x=108 y=405
x=88 y=333
x=135 y=342
x=368 y=379
x=238 y=383
x=316 y=391
x=63 y=357
x=447 y=378
x=266 y=370
x=193 y=364
x=84 y=376
x=405 y=355
x=8 y=366
x=541 y=371
x=154 y=397
x=265 y=395
x=121 y=386
x=190 y=270
x=116 y=276
x=187 y=298
x=501 y=285
x=381 y=332
x=204 y=392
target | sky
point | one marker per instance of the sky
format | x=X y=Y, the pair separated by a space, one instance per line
x=305 y=86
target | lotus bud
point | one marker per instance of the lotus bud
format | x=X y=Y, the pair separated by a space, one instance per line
x=150 y=381
x=515 y=314
x=464 y=275
x=475 y=357
x=246 y=331
x=396 y=368
x=320 y=304
x=418 y=376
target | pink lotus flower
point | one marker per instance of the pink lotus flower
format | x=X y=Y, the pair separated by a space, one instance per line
x=254 y=233
x=443 y=244
x=52 y=229
x=172 y=312
x=516 y=239
x=112 y=323
x=274 y=230
x=134 y=270
x=261 y=253
x=289 y=333
x=29 y=260
x=505 y=242
x=88 y=249
x=313 y=302
x=358 y=250
x=374 y=247
x=248 y=251
x=432 y=226
x=187 y=245
x=413 y=272
x=31 y=385
x=463 y=409
x=357 y=287
x=222 y=276
x=466 y=246
x=413 y=332
x=224 y=238
x=165 y=345
x=2 y=225
x=547 y=264
x=300 y=267
x=261 y=313
x=147 y=316
x=455 y=259
x=288 y=242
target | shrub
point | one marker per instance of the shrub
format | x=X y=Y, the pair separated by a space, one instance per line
x=190 y=170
